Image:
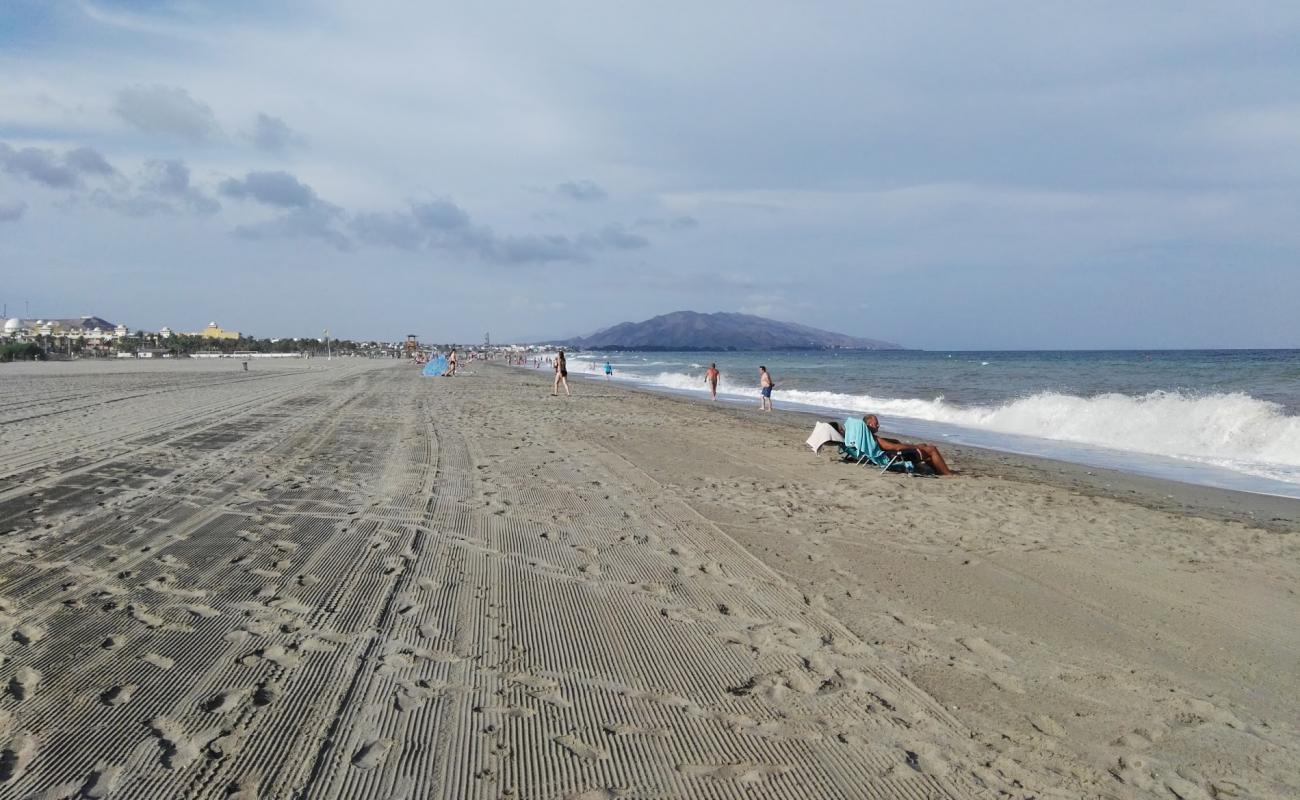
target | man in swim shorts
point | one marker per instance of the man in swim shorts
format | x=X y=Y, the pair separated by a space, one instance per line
x=711 y=376
x=926 y=454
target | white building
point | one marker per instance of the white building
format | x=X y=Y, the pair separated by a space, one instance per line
x=90 y=329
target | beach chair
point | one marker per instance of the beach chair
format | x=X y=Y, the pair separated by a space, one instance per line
x=861 y=447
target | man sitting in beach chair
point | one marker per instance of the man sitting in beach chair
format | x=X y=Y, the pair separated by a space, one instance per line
x=887 y=452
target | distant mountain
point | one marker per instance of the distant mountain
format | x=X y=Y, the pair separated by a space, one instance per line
x=691 y=330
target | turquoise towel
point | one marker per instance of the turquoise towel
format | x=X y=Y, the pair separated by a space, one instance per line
x=857 y=439
x=858 y=442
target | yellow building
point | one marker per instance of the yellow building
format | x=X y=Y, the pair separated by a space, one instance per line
x=215 y=331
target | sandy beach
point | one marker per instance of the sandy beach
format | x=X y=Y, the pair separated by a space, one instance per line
x=340 y=579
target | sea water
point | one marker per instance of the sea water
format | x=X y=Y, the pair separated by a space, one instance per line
x=1228 y=418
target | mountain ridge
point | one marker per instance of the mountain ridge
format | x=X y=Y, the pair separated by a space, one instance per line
x=721 y=330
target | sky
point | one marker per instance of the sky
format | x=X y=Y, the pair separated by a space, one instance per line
x=1000 y=175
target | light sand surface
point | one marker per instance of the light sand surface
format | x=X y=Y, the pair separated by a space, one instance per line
x=346 y=580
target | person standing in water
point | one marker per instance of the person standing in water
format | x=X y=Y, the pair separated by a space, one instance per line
x=765 y=387
x=711 y=376
x=561 y=376
x=609 y=370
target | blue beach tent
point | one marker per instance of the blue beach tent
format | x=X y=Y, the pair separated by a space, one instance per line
x=436 y=366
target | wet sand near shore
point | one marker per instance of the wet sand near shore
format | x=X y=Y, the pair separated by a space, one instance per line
x=346 y=580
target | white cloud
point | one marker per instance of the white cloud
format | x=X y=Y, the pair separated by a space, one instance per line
x=167 y=110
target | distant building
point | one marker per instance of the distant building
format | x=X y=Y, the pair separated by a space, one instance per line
x=165 y=333
x=92 y=329
x=215 y=331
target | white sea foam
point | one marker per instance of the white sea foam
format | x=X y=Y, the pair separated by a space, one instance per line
x=1231 y=430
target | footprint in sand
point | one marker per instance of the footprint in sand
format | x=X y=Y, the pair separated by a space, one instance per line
x=408 y=607
x=924 y=757
x=1047 y=726
x=227 y=701
x=293 y=605
x=118 y=695
x=24 y=682
x=267 y=693
x=16 y=756
x=430 y=631
x=102 y=781
x=28 y=634
x=600 y=794
x=372 y=753
x=276 y=653
x=161 y=662
x=248 y=787
x=621 y=729
x=179 y=749
x=505 y=711
x=580 y=748
x=201 y=611
x=980 y=647
x=141 y=614
x=741 y=773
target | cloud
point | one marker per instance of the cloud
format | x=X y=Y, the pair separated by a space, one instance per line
x=306 y=214
x=273 y=135
x=167 y=110
x=583 y=191
x=170 y=179
x=279 y=189
x=434 y=225
x=443 y=225
x=38 y=165
x=88 y=161
x=12 y=212
x=51 y=169
x=319 y=221
x=441 y=215
x=162 y=187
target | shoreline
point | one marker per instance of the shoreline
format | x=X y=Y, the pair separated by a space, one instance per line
x=1122 y=419
x=1274 y=513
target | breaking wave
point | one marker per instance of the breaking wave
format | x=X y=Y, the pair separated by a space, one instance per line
x=1232 y=430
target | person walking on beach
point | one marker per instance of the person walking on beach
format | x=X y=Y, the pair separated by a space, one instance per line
x=711 y=376
x=765 y=387
x=609 y=370
x=561 y=376
x=451 y=362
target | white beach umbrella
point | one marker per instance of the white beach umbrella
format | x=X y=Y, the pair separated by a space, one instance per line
x=821 y=434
